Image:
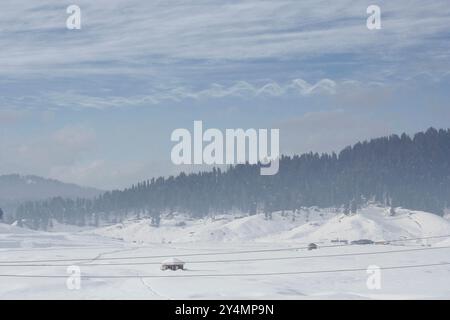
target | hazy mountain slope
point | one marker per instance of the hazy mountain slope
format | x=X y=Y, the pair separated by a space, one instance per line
x=16 y=187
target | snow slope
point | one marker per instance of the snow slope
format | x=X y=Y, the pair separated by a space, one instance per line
x=308 y=225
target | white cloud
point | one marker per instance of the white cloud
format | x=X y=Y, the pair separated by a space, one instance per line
x=163 y=38
x=243 y=88
x=75 y=136
x=36 y=154
x=240 y=89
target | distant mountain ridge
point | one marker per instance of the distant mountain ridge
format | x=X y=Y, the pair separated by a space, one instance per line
x=17 y=188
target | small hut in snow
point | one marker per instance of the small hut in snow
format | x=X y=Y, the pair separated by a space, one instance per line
x=172 y=264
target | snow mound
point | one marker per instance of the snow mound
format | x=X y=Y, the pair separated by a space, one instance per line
x=372 y=223
x=12 y=229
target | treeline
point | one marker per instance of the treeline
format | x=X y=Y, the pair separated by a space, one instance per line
x=413 y=172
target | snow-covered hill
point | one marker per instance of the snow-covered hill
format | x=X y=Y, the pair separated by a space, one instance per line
x=16 y=187
x=307 y=225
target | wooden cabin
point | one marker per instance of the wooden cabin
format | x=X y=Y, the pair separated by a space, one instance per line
x=172 y=264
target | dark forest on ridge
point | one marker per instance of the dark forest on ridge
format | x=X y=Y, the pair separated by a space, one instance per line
x=412 y=172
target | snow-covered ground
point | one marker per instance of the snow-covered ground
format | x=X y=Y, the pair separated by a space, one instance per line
x=234 y=257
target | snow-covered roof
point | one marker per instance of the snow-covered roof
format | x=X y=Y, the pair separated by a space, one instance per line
x=172 y=261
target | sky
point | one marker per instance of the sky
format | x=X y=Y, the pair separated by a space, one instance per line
x=96 y=106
